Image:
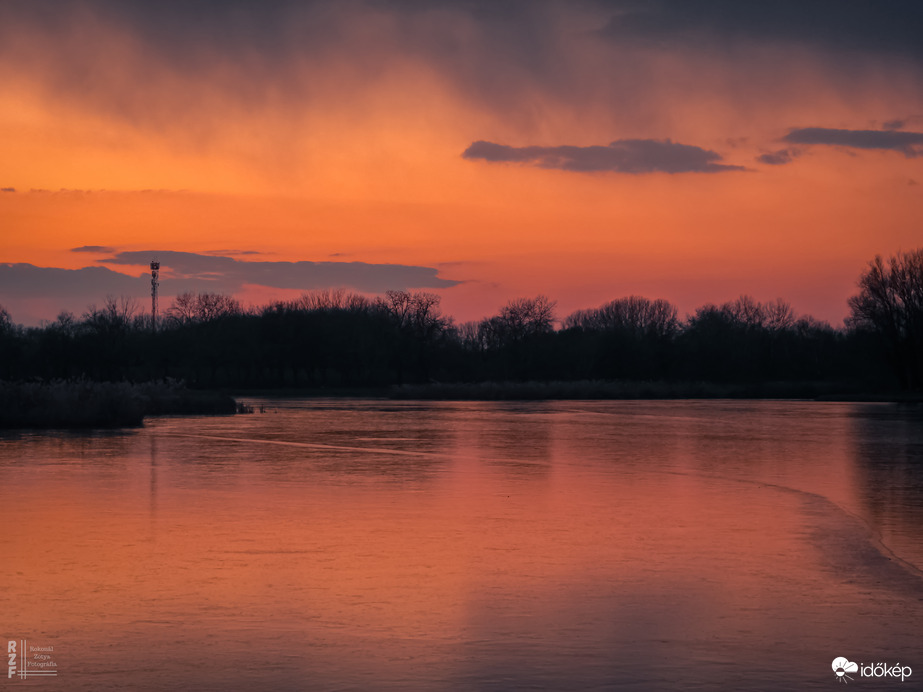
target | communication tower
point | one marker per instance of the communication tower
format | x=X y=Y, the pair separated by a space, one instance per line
x=155 y=282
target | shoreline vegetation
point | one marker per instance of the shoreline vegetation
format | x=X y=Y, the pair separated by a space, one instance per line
x=86 y=404
x=76 y=372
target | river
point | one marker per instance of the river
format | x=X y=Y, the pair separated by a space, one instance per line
x=370 y=544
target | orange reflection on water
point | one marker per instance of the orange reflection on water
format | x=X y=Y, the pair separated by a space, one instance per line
x=477 y=546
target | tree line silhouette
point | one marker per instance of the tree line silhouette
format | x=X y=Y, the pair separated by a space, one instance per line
x=336 y=339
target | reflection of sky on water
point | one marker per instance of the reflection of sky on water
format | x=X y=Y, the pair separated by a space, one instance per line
x=887 y=448
x=466 y=545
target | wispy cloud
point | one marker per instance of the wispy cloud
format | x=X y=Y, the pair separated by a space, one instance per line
x=910 y=144
x=93 y=248
x=778 y=158
x=231 y=253
x=634 y=156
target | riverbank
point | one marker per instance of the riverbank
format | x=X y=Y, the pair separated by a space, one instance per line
x=599 y=389
x=87 y=404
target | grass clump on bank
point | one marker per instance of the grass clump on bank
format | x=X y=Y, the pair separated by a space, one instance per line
x=87 y=404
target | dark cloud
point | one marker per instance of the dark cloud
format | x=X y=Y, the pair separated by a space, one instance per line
x=894 y=124
x=910 y=144
x=250 y=52
x=34 y=293
x=275 y=27
x=229 y=275
x=622 y=156
x=489 y=52
x=28 y=281
x=7 y=189
x=778 y=158
x=93 y=248
x=843 y=26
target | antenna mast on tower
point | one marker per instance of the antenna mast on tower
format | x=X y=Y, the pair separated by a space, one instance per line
x=155 y=282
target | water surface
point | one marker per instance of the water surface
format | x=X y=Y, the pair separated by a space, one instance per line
x=406 y=545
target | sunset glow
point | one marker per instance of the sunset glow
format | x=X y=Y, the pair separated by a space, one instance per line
x=335 y=132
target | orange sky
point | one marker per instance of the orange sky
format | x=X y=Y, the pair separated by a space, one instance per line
x=344 y=143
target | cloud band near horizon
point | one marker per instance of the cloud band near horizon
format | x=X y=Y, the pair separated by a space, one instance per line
x=234 y=273
x=910 y=144
x=632 y=156
x=23 y=285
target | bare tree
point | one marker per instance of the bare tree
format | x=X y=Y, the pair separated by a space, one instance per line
x=633 y=314
x=65 y=323
x=468 y=335
x=182 y=311
x=418 y=312
x=398 y=304
x=211 y=306
x=890 y=303
x=778 y=315
x=6 y=322
x=203 y=307
x=746 y=312
x=114 y=317
x=527 y=316
x=419 y=320
x=321 y=300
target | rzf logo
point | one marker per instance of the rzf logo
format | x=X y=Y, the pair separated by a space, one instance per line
x=11 y=651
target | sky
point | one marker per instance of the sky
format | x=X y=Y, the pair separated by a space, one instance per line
x=691 y=150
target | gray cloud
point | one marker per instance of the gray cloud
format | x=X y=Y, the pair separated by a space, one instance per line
x=7 y=189
x=842 y=26
x=622 y=156
x=28 y=281
x=494 y=54
x=778 y=158
x=226 y=274
x=910 y=144
x=275 y=28
x=34 y=293
x=263 y=48
x=93 y=248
